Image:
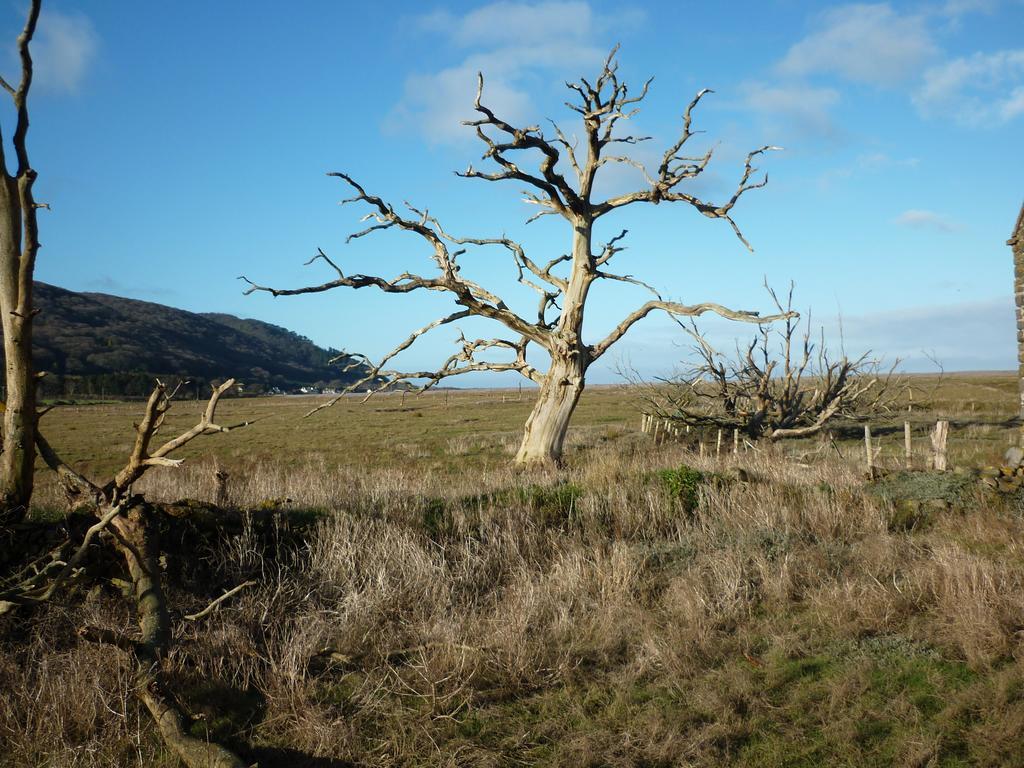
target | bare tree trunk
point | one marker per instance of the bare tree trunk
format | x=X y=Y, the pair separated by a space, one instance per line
x=545 y=431
x=18 y=457
x=546 y=428
x=139 y=543
x=19 y=243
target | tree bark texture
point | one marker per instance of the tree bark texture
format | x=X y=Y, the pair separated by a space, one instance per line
x=18 y=456
x=19 y=242
x=139 y=542
x=546 y=428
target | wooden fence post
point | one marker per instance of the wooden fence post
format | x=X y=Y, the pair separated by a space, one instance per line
x=867 y=448
x=735 y=442
x=939 y=436
x=908 y=447
x=718 y=446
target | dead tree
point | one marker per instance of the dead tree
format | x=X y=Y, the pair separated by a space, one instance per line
x=1016 y=242
x=133 y=528
x=779 y=385
x=563 y=283
x=19 y=242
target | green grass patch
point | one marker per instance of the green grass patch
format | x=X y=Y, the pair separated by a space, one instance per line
x=683 y=485
x=922 y=486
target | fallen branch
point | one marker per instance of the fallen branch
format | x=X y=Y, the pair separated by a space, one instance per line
x=214 y=605
x=27 y=593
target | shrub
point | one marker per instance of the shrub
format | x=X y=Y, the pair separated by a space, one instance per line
x=683 y=484
x=553 y=504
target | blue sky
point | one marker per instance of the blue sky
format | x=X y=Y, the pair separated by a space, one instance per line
x=181 y=145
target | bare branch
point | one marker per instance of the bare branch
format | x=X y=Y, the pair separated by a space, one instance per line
x=561 y=195
x=474 y=297
x=376 y=374
x=570 y=149
x=20 y=94
x=142 y=458
x=781 y=393
x=628 y=279
x=216 y=603
x=31 y=592
x=676 y=168
x=673 y=308
x=73 y=482
x=611 y=248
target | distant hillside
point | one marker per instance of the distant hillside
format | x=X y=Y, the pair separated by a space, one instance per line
x=93 y=343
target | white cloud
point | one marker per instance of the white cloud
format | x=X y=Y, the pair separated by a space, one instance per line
x=512 y=43
x=863 y=43
x=803 y=108
x=976 y=90
x=955 y=8
x=510 y=23
x=922 y=219
x=64 y=46
x=975 y=335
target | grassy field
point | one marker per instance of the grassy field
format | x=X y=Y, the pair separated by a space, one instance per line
x=455 y=432
x=421 y=603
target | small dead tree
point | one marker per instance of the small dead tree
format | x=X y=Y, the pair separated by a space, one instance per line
x=132 y=526
x=19 y=243
x=563 y=283
x=780 y=385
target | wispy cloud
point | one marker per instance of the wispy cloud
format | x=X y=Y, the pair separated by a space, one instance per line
x=867 y=43
x=510 y=42
x=961 y=336
x=862 y=43
x=922 y=219
x=953 y=10
x=975 y=335
x=793 y=108
x=958 y=7
x=982 y=89
x=877 y=44
x=64 y=47
x=864 y=164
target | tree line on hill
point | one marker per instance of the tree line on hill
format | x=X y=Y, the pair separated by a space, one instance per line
x=97 y=345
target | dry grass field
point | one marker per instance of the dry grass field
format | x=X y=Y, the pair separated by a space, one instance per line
x=459 y=432
x=421 y=603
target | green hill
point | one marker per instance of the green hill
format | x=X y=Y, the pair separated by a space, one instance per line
x=94 y=343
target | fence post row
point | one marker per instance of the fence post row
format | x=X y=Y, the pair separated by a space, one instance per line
x=660 y=428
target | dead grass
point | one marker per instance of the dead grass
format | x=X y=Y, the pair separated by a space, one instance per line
x=445 y=610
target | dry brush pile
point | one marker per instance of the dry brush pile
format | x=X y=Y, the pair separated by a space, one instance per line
x=631 y=612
